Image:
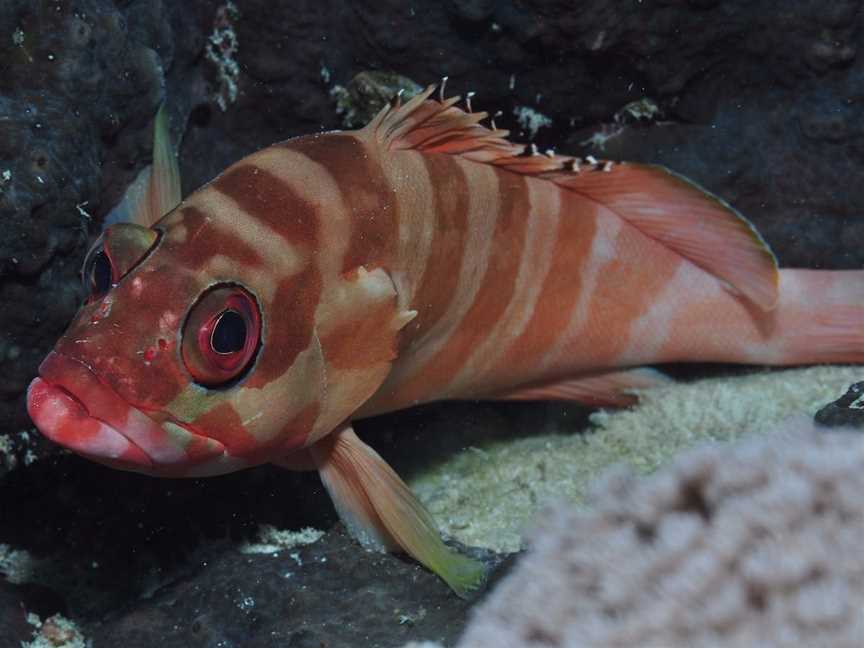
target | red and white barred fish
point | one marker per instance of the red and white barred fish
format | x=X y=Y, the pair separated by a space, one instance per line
x=341 y=275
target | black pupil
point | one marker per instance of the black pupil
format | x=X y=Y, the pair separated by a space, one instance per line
x=100 y=275
x=229 y=334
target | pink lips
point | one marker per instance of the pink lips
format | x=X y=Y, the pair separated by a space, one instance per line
x=64 y=419
x=72 y=407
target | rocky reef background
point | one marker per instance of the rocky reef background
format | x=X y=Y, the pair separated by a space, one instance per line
x=763 y=103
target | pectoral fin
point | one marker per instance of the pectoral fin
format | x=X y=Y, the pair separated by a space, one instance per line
x=381 y=511
x=156 y=190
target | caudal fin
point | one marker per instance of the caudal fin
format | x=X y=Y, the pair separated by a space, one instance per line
x=820 y=318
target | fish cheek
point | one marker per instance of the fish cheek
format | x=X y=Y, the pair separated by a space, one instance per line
x=260 y=422
x=282 y=412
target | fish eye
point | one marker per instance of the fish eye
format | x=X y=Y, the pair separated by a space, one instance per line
x=98 y=274
x=221 y=336
x=114 y=254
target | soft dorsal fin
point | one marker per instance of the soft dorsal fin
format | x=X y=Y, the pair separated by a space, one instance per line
x=663 y=205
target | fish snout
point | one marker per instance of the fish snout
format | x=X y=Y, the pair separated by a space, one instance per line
x=70 y=405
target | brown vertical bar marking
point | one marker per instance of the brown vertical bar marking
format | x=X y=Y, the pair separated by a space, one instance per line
x=490 y=302
x=374 y=211
x=289 y=325
x=196 y=252
x=560 y=289
x=270 y=200
x=444 y=264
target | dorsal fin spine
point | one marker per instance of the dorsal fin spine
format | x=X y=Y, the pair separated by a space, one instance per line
x=661 y=204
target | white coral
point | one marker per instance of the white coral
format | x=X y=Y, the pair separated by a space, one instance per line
x=755 y=544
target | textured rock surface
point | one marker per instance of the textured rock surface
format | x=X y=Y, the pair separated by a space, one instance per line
x=13 y=615
x=329 y=593
x=136 y=561
x=759 y=544
x=80 y=84
x=845 y=411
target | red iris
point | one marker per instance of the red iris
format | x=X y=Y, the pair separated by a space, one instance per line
x=221 y=335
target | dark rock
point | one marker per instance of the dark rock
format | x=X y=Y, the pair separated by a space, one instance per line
x=330 y=593
x=13 y=615
x=148 y=561
x=846 y=411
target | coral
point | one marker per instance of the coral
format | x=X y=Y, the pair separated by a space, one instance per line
x=55 y=632
x=272 y=540
x=367 y=93
x=16 y=565
x=754 y=544
x=530 y=120
x=221 y=49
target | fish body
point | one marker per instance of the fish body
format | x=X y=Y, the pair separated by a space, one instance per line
x=341 y=275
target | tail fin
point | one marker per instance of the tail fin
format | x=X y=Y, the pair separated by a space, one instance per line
x=820 y=317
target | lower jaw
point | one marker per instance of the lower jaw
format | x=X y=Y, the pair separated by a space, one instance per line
x=65 y=420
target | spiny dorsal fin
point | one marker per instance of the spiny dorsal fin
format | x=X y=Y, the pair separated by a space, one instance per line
x=663 y=205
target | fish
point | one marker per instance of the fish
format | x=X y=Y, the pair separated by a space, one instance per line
x=341 y=275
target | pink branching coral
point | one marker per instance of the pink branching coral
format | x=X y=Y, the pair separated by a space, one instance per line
x=751 y=545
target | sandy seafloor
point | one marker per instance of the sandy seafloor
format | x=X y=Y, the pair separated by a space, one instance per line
x=488 y=493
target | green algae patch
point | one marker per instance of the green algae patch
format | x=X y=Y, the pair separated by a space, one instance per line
x=488 y=494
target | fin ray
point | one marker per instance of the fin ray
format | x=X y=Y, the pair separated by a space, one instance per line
x=687 y=219
x=162 y=193
x=381 y=511
x=613 y=388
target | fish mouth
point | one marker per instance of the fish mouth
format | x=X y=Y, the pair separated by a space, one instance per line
x=70 y=405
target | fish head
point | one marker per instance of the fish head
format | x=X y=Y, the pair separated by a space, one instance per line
x=178 y=364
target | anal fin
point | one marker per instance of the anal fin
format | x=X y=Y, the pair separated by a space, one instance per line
x=612 y=389
x=382 y=513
